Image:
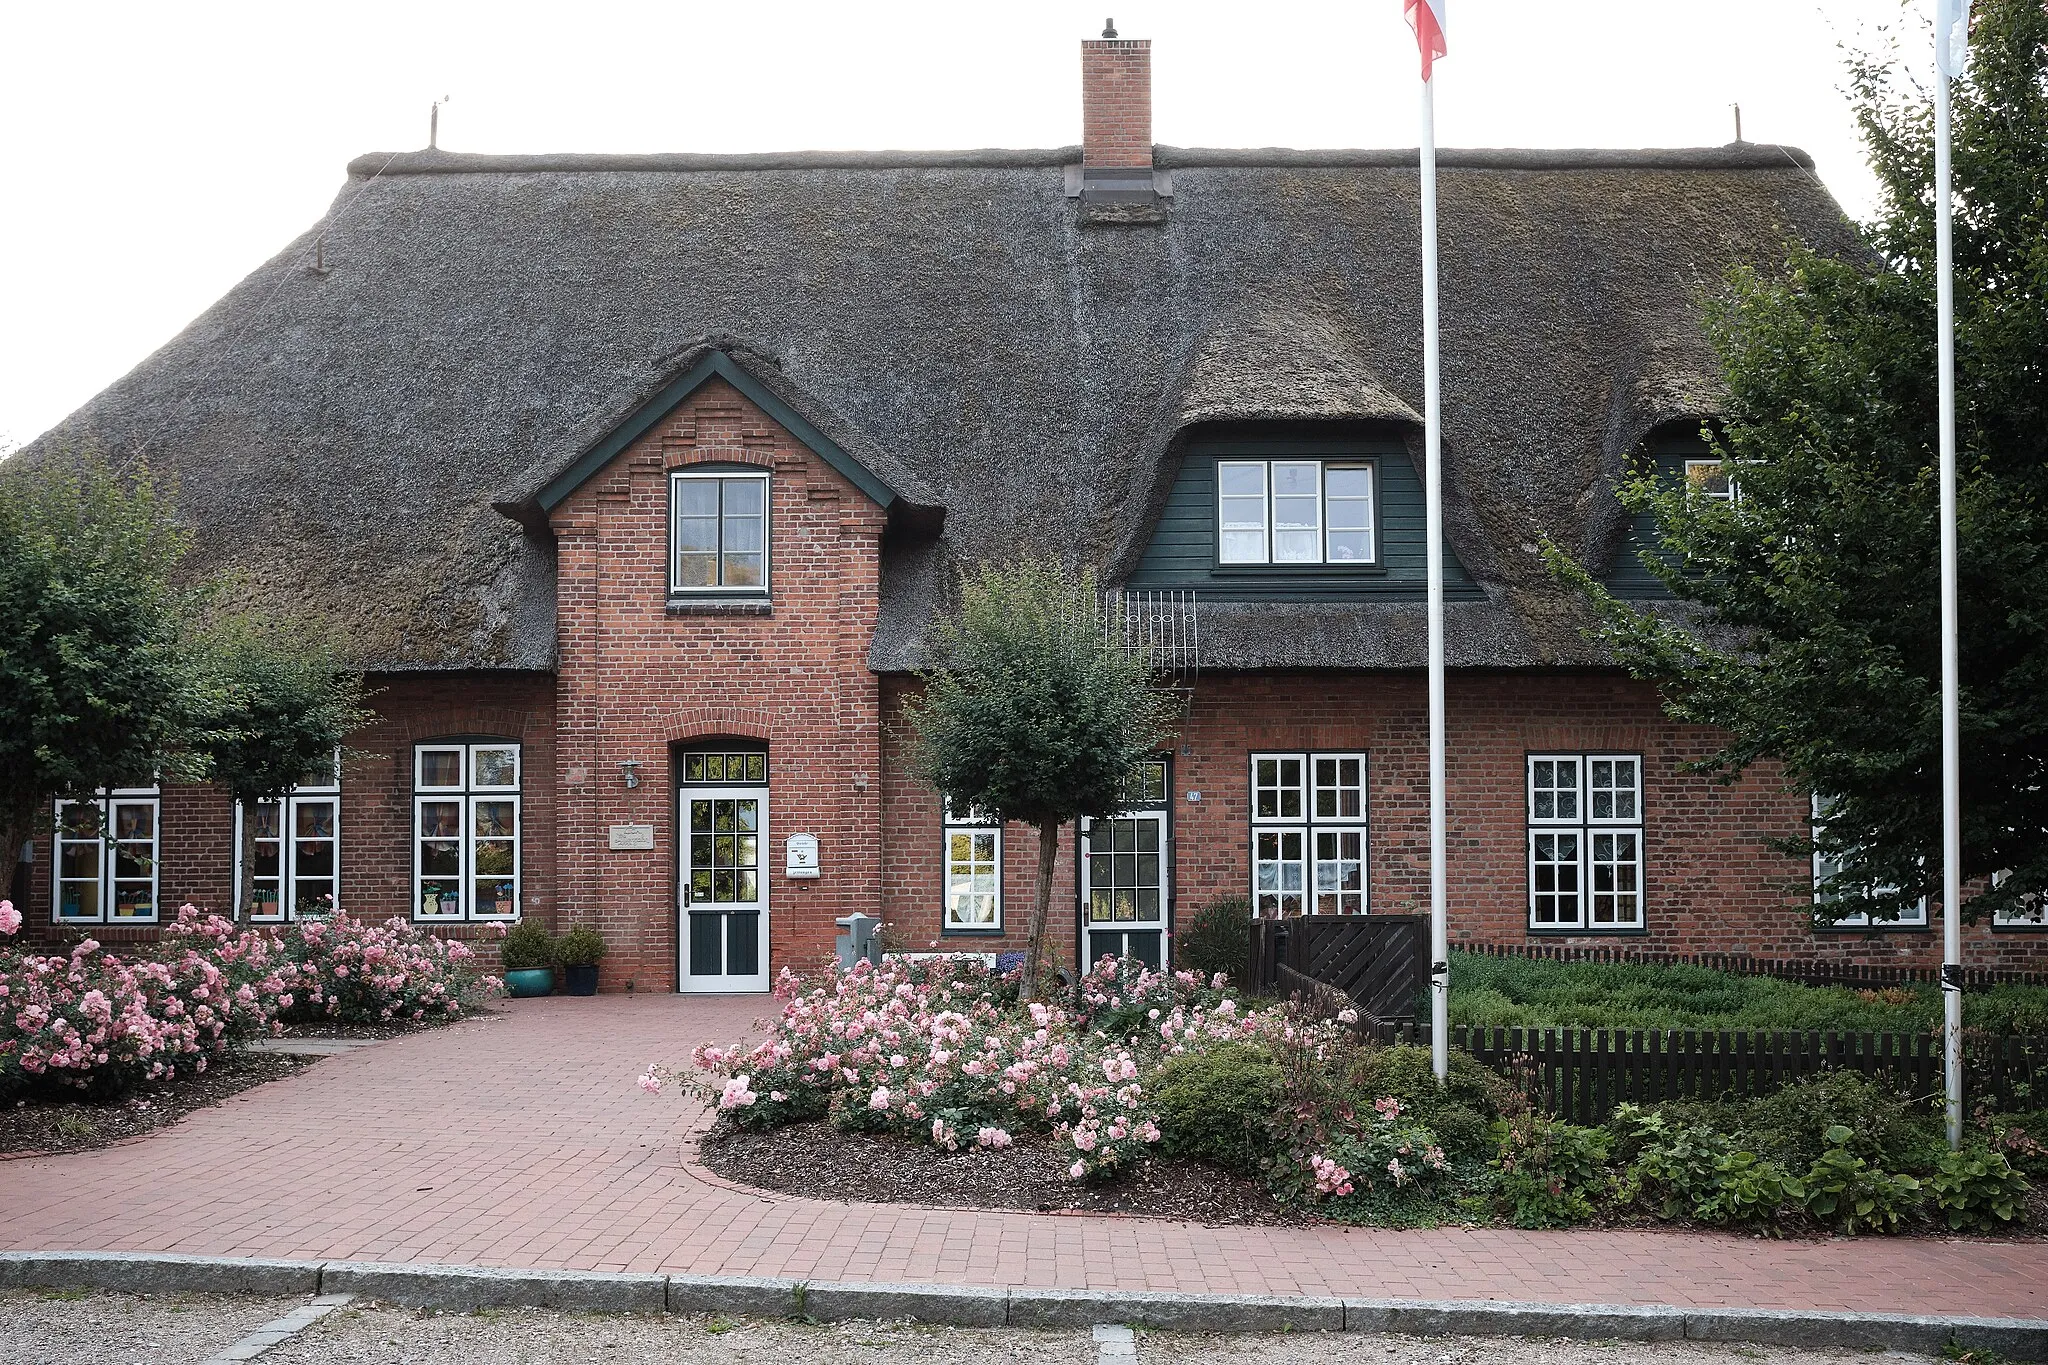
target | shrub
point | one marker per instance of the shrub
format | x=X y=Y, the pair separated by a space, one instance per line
x=2021 y=1138
x=1673 y=1167
x=581 y=946
x=1790 y=1124
x=347 y=971
x=1550 y=1170
x=1123 y=998
x=1977 y=1190
x=1460 y=1111
x=1748 y=1189
x=1218 y=1105
x=1217 y=938
x=1844 y=1189
x=527 y=947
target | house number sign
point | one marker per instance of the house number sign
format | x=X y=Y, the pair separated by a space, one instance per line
x=632 y=837
x=801 y=852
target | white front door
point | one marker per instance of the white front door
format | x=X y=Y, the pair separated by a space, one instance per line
x=723 y=896
x=1124 y=884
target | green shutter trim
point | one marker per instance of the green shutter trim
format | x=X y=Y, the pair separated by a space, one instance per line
x=720 y=365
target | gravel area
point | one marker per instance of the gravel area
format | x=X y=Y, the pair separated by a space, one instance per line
x=816 y=1160
x=59 y=1328
x=74 y=1326
x=51 y=1124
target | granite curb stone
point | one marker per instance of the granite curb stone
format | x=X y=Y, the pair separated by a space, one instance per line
x=951 y=1305
x=1175 y=1312
x=466 y=1287
x=147 y=1272
x=750 y=1296
x=1486 y=1317
x=1926 y=1333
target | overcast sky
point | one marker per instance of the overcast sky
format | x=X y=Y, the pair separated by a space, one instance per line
x=156 y=153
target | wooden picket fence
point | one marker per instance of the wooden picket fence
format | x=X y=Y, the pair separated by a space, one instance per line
x=1814 y=972
x=1582 y=1074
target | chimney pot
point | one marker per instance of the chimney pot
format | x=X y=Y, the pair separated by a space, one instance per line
x=1116 y=117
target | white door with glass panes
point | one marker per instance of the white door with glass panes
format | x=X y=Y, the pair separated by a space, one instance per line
x=724 y=869
x=466 y=831
x=1126 y=875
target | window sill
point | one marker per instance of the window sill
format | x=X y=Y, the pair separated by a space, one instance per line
x=1287 y=571
x=748 y=605
x=2019 y=928
x=1577 y=931
x=1874 y=928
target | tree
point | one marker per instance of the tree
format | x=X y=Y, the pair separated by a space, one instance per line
x=1811 y=633
x=97 y=685
x=1034 y=715
x=285 y=702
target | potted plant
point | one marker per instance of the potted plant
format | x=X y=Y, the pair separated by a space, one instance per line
x=578 y=952
x=526 y=952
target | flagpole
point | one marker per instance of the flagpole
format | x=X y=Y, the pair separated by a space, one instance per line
x=1432 y=416
x=1951 y=667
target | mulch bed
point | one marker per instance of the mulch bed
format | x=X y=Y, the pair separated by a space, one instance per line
x=52 y=1123
x=816 y=1161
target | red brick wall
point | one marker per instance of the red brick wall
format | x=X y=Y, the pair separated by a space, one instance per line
x=1713 y=882
x=638 y=681
x=196 y=843
x=1116 y=102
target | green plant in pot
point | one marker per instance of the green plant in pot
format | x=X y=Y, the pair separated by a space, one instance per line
x=527 y=953
x=579 y=951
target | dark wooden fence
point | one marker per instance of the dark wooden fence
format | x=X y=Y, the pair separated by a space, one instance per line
x=1818 y=972
x=1374 y=961
x=1582 y=1074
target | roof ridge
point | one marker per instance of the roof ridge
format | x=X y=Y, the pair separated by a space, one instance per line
x=1730 y=156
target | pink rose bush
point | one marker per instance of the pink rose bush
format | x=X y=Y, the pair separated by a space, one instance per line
x=93 y=1021
x=940 y=1052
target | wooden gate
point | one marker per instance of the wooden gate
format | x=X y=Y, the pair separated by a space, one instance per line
x=1377 y=961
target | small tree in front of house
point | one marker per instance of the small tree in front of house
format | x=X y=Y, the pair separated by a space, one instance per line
x=285 y=700
x=97 y=687
x=1033 y=715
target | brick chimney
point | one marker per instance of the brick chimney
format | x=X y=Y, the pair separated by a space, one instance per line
x=1116 y=118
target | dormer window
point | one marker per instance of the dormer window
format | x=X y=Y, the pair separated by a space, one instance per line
x=1284 y=512
x=718 y=533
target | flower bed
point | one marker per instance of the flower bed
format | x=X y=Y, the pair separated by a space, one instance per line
x=1175 y=1069
x=92 y=1021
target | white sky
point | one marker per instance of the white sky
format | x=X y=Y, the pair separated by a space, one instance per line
x=155 y=153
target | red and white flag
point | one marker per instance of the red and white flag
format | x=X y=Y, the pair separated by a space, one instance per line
x=1426 y=17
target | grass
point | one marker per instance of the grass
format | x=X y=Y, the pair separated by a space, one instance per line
x=1506 y=992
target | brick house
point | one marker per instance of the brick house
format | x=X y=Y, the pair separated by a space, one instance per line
x=639 y=481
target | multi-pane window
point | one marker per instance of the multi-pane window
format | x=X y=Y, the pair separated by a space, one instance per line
x=466 y=830
x=1828 y=866
x=1308 y=834
x=298 y=843
x=1585 y=841
x=2030 y=912
x=718 y=532
x=106 y=864
x=974 y=870
x=740 y=767
x=1295 y=512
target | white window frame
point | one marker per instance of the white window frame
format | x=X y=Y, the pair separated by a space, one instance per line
x=1591 y=832
x=1913 y=920
x=678 y=477
x=1301 y=834
x=2033 y=918
x=466 y=797
x=970 y=823
x=105 y=802
x=1269 y=529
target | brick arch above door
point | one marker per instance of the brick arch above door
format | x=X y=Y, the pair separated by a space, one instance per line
x=718 y=722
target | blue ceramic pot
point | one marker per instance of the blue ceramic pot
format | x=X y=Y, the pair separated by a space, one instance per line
x=528 y=982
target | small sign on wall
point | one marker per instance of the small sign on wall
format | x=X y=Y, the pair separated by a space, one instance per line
x=626 y=838
x=801 y=854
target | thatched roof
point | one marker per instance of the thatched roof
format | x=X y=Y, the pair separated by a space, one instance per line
x=367 y=434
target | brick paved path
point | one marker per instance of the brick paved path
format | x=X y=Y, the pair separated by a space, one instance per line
x=520 y=1140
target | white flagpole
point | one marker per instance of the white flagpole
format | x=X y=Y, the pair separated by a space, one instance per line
x=1951 y=667
x=1432 y=480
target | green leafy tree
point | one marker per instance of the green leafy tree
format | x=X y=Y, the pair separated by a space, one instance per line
x=1034 y=715
x=284 y=702
x=1810 y=620
x=97 y=684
